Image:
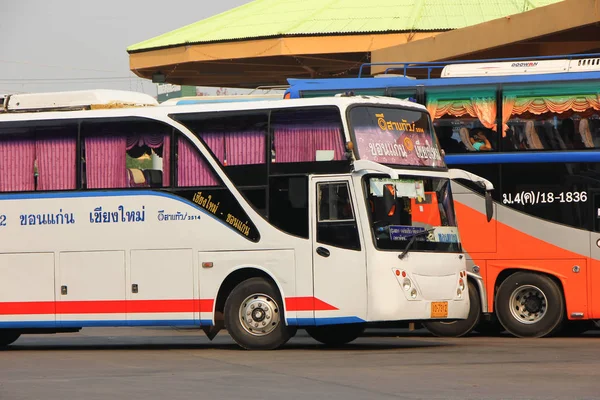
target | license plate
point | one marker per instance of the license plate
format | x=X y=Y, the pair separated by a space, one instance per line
x=439 y=309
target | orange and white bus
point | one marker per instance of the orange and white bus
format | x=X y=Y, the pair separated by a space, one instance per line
x=532 y=127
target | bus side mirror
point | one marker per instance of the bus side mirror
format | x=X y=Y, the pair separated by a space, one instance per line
x=489 y=205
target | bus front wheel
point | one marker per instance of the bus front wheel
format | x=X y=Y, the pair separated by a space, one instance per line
x=530 y=305
x=8 y=337
x=461 y=327
x=254 y=316
x=336 y=335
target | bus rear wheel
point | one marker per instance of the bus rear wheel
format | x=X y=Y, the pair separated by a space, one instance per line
x=336 y=335
x=254 y=316
x=8 y=337
x=530 y=305
x=461 y=327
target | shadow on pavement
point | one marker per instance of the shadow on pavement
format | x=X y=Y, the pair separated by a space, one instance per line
x=133 y=343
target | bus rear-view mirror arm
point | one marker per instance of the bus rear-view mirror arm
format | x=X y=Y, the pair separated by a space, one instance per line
x=456 y=174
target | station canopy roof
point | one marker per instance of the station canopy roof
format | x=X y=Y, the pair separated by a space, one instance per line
x=266 y=41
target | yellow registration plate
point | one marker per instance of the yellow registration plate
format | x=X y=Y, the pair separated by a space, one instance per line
x=439 y=309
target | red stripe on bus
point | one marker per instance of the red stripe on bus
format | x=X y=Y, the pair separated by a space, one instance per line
x=29 y=307
x=105 y=307
x=307 y=304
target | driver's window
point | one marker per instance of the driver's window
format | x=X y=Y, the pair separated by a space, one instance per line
x=334 y=202
x=335 y=220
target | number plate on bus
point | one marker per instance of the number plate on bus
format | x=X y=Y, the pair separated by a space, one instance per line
x=439 y=309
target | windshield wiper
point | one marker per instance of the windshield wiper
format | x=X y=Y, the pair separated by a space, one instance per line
x=412 y=240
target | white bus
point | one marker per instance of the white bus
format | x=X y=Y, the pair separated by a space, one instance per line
x=261 y=217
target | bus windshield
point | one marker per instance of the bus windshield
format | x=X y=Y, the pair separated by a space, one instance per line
x=395 y=136
x=409 y=206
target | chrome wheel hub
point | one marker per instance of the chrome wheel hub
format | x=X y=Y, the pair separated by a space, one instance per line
x=259 y=314
x=528 y=304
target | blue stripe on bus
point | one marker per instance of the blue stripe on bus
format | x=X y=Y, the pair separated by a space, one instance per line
x=92 y=193
x=324 y=321
x=166 y=322
x=102 y=323
x=401 y=82
x=524 y=157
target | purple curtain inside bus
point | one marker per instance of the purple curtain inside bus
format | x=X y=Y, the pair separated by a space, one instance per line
x=56 y=163
x=299 y=143
x=17 y=159
x=106 y=162
x=191 y=168
x=237 y=148
x=244 y=148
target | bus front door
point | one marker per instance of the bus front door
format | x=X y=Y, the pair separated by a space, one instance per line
x=339 y=264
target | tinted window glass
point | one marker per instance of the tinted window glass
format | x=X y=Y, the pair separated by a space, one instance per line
x=393 y=135
x=288 y=204
x=335 y=220
x=556 y=192
x=408 y=206
x=307 y=135
x=128 y=153
x=198 y=182
x=38 y=156
x=237 y=141
x=551 y=116
x=549 y=131
x=464 y=119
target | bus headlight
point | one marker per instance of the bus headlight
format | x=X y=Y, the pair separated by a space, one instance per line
x=413 y=293
x=406 y=284
x=461 y=284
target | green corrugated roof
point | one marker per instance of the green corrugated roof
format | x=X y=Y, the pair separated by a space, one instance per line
x=273 y=18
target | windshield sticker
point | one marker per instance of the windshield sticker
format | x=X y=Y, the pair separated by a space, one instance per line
x=446 y=234
x=400 y=232
x=441 y=234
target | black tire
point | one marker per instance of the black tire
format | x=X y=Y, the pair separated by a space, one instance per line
x=538 y=308
x=8 y=337
x=460 y=327
x=336 y=335
x=265 y=293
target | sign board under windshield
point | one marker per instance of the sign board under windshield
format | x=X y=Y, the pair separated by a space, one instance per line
x=395 y=136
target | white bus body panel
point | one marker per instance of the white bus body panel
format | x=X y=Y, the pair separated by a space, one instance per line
x=27 y=278
x=435 y=276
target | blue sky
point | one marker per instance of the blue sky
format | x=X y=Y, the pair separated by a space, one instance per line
x=73 y=44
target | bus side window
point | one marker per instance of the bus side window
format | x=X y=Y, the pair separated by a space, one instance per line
x=129 y=153
x=192 y=168
x=336 y=224
x=238 y=141
x=307 y=136
x=197 y=181
x=38 y=156
x=288 y=204
x=464 y=119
